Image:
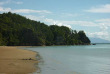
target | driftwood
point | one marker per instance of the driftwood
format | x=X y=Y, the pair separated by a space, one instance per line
x=28 y=59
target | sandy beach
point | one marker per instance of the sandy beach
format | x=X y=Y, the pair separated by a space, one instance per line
x=17 y=61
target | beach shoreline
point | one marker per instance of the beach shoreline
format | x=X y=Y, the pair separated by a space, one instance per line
x=14 y=60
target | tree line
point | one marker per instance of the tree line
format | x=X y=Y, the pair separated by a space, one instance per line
x=17 y=30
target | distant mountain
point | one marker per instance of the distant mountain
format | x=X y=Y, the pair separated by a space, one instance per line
x=98 y=40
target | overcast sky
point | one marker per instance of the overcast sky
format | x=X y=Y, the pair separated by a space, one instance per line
x=92 y=16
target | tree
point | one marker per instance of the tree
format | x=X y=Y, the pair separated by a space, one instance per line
x=83 y=37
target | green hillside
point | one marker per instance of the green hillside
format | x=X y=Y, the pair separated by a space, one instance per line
x=17 y=30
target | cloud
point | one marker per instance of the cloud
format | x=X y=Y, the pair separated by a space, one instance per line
x=98 y=34
x=103 y=35
x=30 y=11
x=10 y=1
x=83 y=23
x=47 y=20
x=55 y=22
x=23 y=10
x=38 y=18
x=50 y=21
x=70 y=15
x=4 y=2
x=100 y=9
x=103 y=20
x=103 y=27
x=70 y=23
x=5 y=9
x=101 y=23
x=58 y=22
x=18 y=2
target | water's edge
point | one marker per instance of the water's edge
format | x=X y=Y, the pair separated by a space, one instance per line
x=83 y=59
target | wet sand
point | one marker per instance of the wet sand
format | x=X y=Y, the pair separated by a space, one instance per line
x=17 y=61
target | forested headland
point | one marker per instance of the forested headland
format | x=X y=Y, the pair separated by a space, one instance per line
x=17 y=30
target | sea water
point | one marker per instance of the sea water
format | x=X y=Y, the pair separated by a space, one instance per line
x=82 y=59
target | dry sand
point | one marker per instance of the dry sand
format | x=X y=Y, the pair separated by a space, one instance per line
x=16 y=61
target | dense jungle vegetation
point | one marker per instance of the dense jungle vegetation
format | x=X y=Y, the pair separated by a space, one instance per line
x=17 y=30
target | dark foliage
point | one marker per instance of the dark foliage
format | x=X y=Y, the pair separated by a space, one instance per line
x=17 y=30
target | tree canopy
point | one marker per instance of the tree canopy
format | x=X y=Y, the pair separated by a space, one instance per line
x=16 y=30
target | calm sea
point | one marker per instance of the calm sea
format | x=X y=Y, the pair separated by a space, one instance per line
x=83 y=59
